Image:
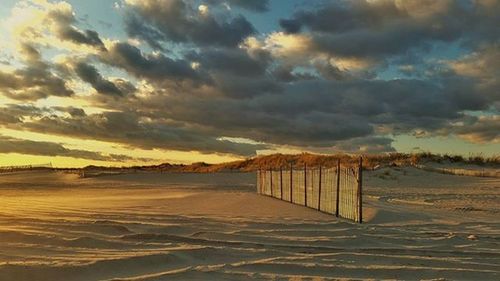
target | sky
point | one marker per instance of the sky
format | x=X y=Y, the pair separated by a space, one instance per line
x=133 y=82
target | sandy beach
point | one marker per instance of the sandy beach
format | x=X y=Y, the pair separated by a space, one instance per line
x=419 y=226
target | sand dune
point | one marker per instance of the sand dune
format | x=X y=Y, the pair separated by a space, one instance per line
x=420 y=225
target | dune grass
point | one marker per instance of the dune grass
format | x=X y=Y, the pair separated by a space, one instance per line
x=275 y=161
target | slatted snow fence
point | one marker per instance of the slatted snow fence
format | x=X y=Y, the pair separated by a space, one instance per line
x=336 y=191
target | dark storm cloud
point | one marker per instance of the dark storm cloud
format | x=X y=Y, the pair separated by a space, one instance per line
x=35 y=81
x=155 y=67
x=478 y=73
x=130 y=129
x=262 y=98
x=242 y=87
x=207 y=79
x=136 y=27
x=64 y=22
x=285 y=74
x=341 y=16
x=89 y=74
x=88 y=37
x=18 y=113
x=43 y=148
x=291 y=25
x=235 y=73
x=126 y=87
x=235 y=61
x=321 y=113
x=485 y=129
x=178 y=21
x=365 y=145
x=383 y=28
x=228 y=71
x=281 y=119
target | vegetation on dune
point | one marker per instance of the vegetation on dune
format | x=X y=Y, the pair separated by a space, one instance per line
x=275 y=161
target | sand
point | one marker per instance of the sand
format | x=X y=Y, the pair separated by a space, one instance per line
x=420 y=226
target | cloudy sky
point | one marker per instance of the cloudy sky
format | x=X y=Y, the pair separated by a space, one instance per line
x=146 y=81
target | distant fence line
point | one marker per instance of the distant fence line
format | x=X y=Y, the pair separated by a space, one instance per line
x=7 y=169
x=336 y=191
x=460 y=172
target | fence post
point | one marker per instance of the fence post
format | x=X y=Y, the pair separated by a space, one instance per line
x=319 y=190
x=262 y=182
x=271 y=181
x=338 y=189
x=281 y=183
x=259 y=186
x=291 y=183
x=305 y=184
x=360 y=190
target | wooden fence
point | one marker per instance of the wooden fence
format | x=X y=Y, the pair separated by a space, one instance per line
x=336 y=191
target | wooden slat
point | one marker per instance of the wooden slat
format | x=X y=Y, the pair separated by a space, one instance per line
x=360 y=190
x=305 y=185
x=281 y=183
x=319 y=189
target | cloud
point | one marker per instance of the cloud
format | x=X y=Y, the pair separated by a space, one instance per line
x=9 y=118
x=89 y=74
x=342 y=75
x=62 y=20
x=177 y=21
x=137 y=28
x=151 y=66
x=17 y=112
x=308 y=111
x=377 y=29
x=21 y=146
x=365 y=145
x=482 y=67
x=235 y=61
x=72 y=111
x=51 y=24
x=88 y=37
x=130 y=129
x=35 y=81
x=483 y=129
x=299 y=51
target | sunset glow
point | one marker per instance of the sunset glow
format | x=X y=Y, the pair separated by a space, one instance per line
x=124 y=82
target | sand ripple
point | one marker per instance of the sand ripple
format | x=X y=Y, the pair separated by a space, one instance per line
x=67 y=235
